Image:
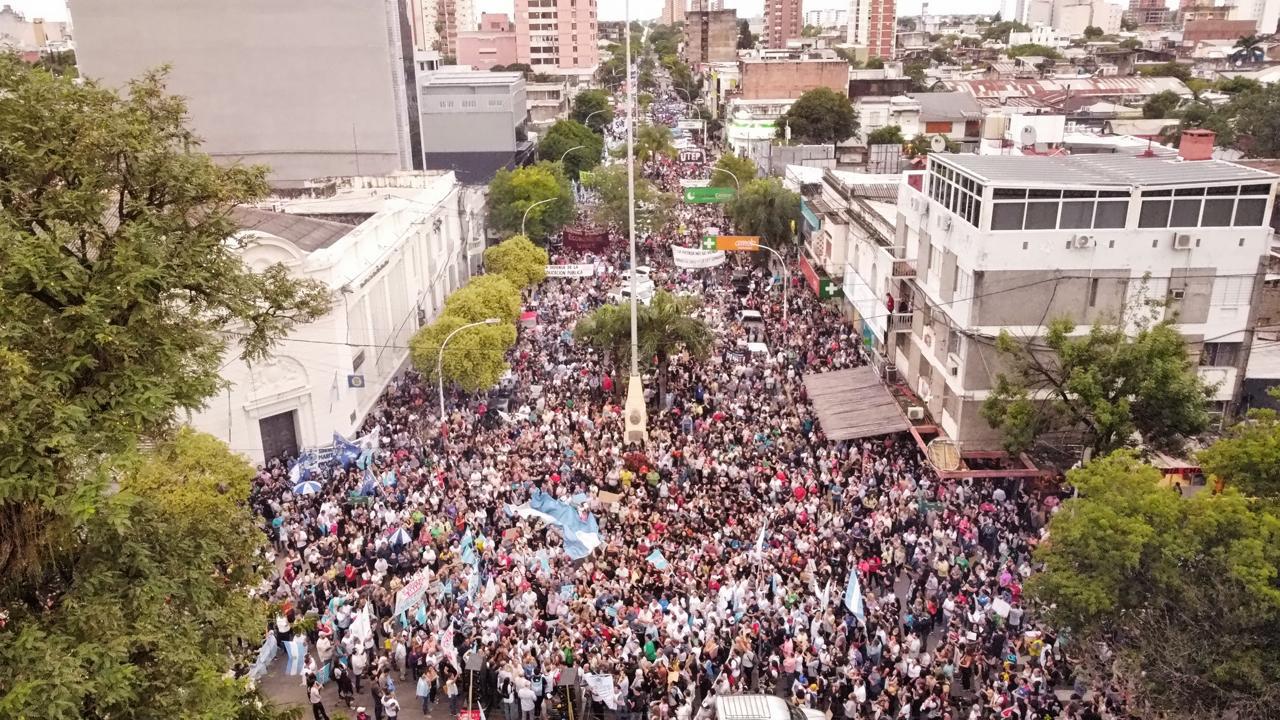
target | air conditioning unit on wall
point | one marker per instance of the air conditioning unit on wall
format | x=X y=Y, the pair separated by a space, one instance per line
x=1081 y=242
x=915 y=412
x=1183 y=241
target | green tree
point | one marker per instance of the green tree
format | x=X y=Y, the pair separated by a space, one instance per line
x=1093 y=32
x=875 y=63
x=665 y=328
x=999 y=31
x=155 y=599
x=1249 y=456
x=742 y=168
x=1104 y=384
x=887 y=135
x=1173 y=600
x=1256 y=127
x=652 y=141
x=1171 y=69
x=576 y=143
x=511 y=192
x=1197 y=114
x=653 y=208
x=486 y=296
x=746 y=39
x=921 y=145
x=119 y=283
x=1130 y=44
x=593 y=108
x=765 y=208
x=474 y=359
x=518 y=260
x=810 y=31
x=1032 y=49
x=1239 y=84
x=1161 y=105
x=60 y=62
x=819 y=116
x=643 y=101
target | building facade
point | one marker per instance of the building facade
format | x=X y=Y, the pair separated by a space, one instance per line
x=333 y=96
x=18 y=34
x=776 y=79
x=389 y=275
x=493 y=44
x=873 y=25
x=783 y=21
x=711 y=36
x=673 y=11
x=1264 y=13
x=985 y=244
x=474 y=122
x=557 y=33
x=827 y=18
x=436 y=23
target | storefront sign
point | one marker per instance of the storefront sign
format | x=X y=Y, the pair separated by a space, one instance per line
x=704 y=195
x=692 y=155
x=732 y=243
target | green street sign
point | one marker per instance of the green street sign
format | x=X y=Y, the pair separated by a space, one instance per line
x=704 y=195
x=708 y=243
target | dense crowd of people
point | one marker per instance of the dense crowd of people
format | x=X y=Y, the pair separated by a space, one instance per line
x=725 y=542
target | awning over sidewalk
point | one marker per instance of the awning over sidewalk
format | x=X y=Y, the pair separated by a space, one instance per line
x=854 y=404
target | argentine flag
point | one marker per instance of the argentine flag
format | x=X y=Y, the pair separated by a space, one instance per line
x=297 y=652
x=853 y=594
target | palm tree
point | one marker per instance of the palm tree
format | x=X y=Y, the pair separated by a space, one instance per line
x=667 y=327
x=653 y=140
x=1248 y=49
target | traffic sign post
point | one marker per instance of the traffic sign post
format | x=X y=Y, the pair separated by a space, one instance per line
x=705 y=195
x=742 y=243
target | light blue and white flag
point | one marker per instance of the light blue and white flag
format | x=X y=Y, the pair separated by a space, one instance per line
x=345 y=451
x=657 y=560
x=581 y=534
x=266 y=654
x=760 y=540
x=853 y=594
x=297 y=652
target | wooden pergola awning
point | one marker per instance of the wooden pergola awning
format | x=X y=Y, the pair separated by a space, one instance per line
x=854 y=404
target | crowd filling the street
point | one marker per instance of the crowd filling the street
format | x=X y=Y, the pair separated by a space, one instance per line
x=520 y=557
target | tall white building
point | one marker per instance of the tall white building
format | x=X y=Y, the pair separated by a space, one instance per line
x=827 y=17
x=984 y=244
x=389 y=275
x=1266 y=13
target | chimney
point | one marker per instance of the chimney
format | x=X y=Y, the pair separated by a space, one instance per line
x=1196 y=144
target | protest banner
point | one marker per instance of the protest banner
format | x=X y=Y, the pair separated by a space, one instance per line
x=571 y=270
x=411 y=594
x=696 y=258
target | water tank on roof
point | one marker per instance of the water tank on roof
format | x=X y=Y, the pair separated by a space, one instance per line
x=994 y=126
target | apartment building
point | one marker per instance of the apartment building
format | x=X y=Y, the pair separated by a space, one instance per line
x=311 y=88
x=436 y=23
x=673 y=11
x=873 y=25
x=711 y=36
x=984 y=244
x=492 y=45
x=557 y=33
x=783 y=21
x=474 y=122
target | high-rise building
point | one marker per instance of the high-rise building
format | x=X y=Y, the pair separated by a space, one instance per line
x=826 y=17
x=873 y=25
x=1266 y=13
x=706 y=5
x=436 y=23
x=711 y=36
x=1149 y=12
x=673 y=12
x=333 y=96
x=557 y=33
x=783 y=21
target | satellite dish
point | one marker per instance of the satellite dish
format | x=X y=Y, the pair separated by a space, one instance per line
x=943 y=454
x=937 y=143
x=1027 y=136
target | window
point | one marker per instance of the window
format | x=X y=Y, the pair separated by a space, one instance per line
x=1041 y=215
x=937 y=127
x=1186 y=213
x=1214 y=354
x=1007 y=216
x=1155 y=214
x=1111 y=214
x=1076 y=215
x=1249 y=213
x=1217 y=213
x=935 y=260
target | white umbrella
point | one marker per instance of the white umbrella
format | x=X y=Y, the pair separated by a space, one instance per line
x=306 y=487
x=400 y=537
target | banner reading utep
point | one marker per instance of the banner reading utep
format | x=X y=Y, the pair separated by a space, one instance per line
x=696 y=258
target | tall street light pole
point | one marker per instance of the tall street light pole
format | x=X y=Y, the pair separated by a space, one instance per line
x=566 y=154
x=786 y=278
x=736 y=184
x=526 y=212
x=636 y=415
x=440 y=356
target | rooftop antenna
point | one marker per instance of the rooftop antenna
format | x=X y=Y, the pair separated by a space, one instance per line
x=1027 y=137
x=1148 y=152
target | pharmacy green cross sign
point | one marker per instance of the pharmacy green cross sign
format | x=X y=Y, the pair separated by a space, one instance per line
x=704 y=195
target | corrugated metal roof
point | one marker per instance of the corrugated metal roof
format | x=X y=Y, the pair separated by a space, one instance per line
x=1089 y=86
x=1100 y=170
x=307 y=233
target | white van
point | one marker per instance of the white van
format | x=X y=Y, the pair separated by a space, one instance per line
x=762 y=707
x=643 y=273
x=645 y=290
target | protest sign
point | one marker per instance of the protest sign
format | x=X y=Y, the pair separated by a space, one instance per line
x=696 y=258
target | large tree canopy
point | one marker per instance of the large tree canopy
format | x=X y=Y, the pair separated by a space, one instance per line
x=570 y=139
x=1104 y=384
x=653 y=208
x=124 y=576
x=474 y=359
x=512 y=192
x=820 y=116
x=518 y=260
x=766 y=208
x=593 y=109
x=1174 y=600
x=1249 y=456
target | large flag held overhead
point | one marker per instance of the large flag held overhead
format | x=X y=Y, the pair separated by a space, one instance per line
x=345 y=451
x=853 y=594
x=297 y=652
x=760 y=540
x=581 y=535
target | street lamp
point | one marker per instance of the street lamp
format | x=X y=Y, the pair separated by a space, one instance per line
x=637 y=416
x=566 y=153
x=737 y=184
x=587 y=120
x=786 y=278
x=440 y=356
x=526 y=212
